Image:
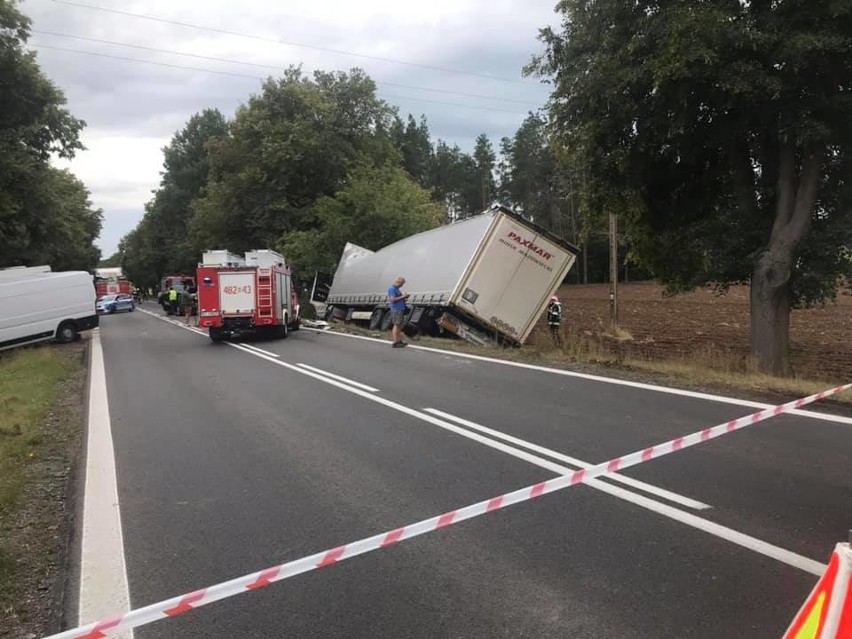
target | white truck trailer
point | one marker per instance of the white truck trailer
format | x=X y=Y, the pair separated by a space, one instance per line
x=487 y=278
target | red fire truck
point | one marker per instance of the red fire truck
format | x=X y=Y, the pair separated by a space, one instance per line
x=254 y=293
x=110 y=281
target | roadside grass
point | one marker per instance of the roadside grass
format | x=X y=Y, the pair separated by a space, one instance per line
x=31 y=382
x=703 y=368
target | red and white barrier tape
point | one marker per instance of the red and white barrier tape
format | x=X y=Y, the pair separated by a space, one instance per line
x=185 y=603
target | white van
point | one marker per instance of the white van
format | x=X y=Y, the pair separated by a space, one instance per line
x=42 y=306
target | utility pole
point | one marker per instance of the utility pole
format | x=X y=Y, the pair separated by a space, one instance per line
x=613 y=271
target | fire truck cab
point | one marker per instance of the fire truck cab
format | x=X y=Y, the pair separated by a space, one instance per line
x=252 y=294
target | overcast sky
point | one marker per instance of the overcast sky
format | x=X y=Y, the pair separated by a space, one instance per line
x=132 y=108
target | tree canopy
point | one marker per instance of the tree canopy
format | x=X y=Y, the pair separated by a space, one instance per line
x=45 y=214
x=719 y=130
x=287 y=147
x=378 y=206
x=161 y=244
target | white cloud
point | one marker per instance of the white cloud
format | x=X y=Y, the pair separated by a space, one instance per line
x=132 y=109
x=119 y=170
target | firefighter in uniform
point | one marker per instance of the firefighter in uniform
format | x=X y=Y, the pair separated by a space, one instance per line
x=554 y=320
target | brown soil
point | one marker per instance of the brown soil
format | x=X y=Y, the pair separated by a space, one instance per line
x=708 y=327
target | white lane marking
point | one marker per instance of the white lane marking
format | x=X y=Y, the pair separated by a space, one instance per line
x=104 y=590
x=759 y=546
x=260 y=350
x=605 y=380
x=723 y=532
x=189 y=327
x=634 y=483
x=340 y=378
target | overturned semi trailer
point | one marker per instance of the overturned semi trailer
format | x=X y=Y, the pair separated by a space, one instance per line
x=487 y=278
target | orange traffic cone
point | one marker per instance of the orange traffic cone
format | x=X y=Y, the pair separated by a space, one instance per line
x=827 y=613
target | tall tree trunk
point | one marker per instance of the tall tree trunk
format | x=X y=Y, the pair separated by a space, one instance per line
x=770 y=314
x=773 y=269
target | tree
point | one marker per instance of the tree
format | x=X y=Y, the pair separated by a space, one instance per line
x=528 y=169
x=484 y=158
x=453 y=179
x=33 y=126
x=186 y=166
x=534 y=181
x=290 y=145
x=378 y=206
x=720 y=131
x=113 y=261
x=415 y=144
x=68 y=243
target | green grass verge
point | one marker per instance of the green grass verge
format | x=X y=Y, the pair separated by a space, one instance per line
x=30 y=383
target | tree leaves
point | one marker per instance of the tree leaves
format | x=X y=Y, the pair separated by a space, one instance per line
x=676 y=112
x=378 y=206
x=45 y=214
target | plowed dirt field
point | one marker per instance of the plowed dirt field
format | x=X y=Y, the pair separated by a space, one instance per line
x=706 y=326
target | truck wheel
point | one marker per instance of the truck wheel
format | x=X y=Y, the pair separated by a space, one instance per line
x=387 y=320
x=217 y=335
x=66 y=333
x=283 y=331
x=376 y=318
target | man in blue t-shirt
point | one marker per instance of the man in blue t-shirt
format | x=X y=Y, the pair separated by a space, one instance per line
x=396 y=301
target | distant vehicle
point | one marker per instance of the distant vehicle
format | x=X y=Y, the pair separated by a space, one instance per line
x=110 y=281
x=252 y=294
x=484 y=279
x=115 y=303
x=181 y=283
x=39 y=306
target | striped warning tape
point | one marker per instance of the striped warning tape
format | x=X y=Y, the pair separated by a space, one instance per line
x=184 y=603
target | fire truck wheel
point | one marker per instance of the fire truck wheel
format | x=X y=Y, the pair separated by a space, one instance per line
x=283 y=330
x=217 y=335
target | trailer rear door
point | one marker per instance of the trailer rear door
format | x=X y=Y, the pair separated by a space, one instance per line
x=236 y=292
x=509 y=282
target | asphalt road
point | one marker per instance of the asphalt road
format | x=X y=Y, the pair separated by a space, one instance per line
x=228 y=463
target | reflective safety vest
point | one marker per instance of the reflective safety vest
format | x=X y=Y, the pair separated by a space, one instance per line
x=173 y=295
